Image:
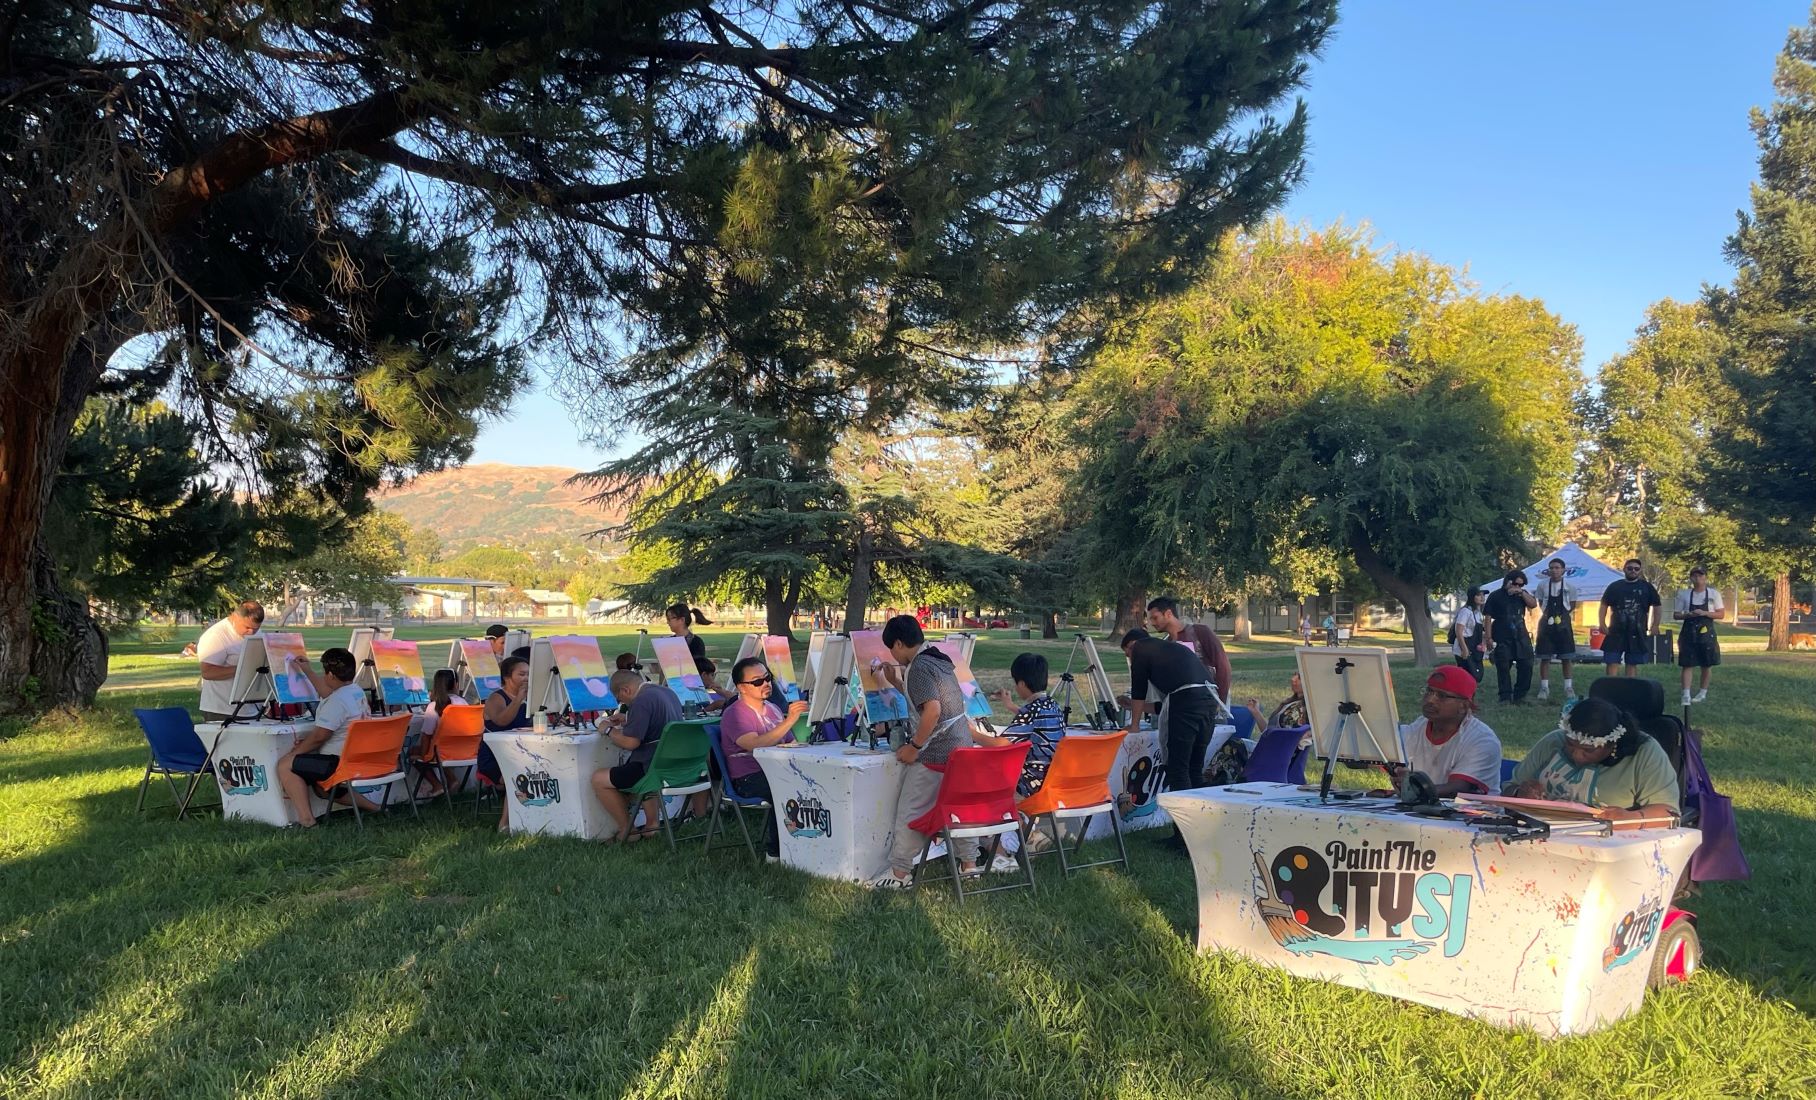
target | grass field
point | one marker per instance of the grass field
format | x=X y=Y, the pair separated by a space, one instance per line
x=142 y=957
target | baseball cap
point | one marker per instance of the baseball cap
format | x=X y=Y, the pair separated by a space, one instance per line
x=1453 y=679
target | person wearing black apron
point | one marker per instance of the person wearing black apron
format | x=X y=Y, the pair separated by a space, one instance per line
x=1509 y=641
x=1557 y=638
x=1187 y=703
x=1698 y=608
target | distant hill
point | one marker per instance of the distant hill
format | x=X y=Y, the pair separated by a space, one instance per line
x=498 y=505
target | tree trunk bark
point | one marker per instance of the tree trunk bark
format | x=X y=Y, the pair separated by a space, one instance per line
x=1245 y=631
x=1779 y=639
x=1411 y=592
x=857 y=594
x=779 y=602
x=1049 y=625
x=1131 y=611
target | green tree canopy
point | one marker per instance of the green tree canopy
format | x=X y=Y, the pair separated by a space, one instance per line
x=1311 y=391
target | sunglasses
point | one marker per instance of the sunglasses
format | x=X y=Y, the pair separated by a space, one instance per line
x=760 y=681
x=1516 y=584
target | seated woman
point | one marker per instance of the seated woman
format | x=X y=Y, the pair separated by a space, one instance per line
x=1290 y=714
x=506 y=709
x=750 y=723
x=423 y=726
x=1601 y=758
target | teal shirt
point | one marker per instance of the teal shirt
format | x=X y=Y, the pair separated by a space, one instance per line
x=1644 y=779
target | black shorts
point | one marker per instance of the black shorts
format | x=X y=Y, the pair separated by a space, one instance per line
x=626 y=776
x=314 y=767
x=1634 y=649
x=1556 y=643
x=1698 y=649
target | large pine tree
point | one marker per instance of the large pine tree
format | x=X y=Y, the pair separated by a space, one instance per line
x=1765 y=469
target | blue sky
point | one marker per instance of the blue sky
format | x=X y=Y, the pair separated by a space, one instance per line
x=1592 y=155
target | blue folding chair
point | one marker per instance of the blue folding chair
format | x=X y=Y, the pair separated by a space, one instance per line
x=1507 y=767
x=176 y=750
x=1244 y=721
x=728 y=797
x=1277 y=757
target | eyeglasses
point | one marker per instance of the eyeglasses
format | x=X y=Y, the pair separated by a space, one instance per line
x=759 y=681
x=1445 y=694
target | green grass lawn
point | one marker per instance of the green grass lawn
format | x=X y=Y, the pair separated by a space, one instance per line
x=141 y=957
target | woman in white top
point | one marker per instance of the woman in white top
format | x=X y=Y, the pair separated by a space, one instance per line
x=1466 y=645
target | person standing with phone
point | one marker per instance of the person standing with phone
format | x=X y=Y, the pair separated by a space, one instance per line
x=1509 y=640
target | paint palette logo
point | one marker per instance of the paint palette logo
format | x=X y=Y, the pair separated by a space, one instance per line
x=1141 y=785
x=537 y=789
x=806 y=818
x=1633 y=934
x=1368 y=903
x=241 y=775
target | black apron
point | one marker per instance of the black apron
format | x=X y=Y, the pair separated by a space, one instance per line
x=1556 y=636
x=1698 y=648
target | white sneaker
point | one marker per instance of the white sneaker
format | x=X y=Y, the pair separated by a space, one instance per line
x=888 y=881
x=1005 y=865
x=1545 y=691
x=1686 y=697
x=767 y=858
x=1700 y=696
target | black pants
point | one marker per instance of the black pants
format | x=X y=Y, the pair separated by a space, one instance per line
x=1190 y=719
x=1471 y=664
x=1507 y=658
x=756 y=785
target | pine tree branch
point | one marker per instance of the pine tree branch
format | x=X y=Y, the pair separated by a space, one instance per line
x=554 y=196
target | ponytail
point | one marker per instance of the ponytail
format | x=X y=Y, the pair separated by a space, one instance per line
x=686 y=614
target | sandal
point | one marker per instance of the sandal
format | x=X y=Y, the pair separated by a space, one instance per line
x=636 y=835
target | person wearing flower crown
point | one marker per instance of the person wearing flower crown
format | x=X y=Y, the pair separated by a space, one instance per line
x=1601 y=758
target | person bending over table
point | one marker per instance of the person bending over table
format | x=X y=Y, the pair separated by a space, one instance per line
x=1186 y=704
x=648 y=709
x=753 y=722
x=941 y=727
x=1163 y=616
x=219 y=654
x=506 y=709
x=1601 y=758
x=316 y=756
x=1447 y=742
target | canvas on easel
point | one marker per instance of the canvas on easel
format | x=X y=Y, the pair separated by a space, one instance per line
x=816 y=644
x=883 y=702
x=832 y=699
x=252 y=686
x=548 y=694
x=365 y=674
x=751 y=646
x=475 y=668
x=288 y=661
x=976 y=704
x=679 y=671
x=778 y=657
x=583 y=673
x=515 y=639
x=1349 y=701
x=398 y=666
x=966 y=643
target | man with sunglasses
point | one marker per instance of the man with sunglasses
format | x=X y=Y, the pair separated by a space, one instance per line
x=1455 y=749
x=1509 y=639
x=1630 y=610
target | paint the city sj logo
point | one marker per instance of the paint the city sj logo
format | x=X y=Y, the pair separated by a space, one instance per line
x=1633 y=934
x=805 y=817
x=1369 y=903
x=538 y=789
x=241 y=775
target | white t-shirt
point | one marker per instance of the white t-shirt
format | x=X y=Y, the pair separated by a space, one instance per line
x=220 y=644
x=337 y=712
x=1469 y=620
x=1544 y=588
x=1472 y=756
x=1710 y=595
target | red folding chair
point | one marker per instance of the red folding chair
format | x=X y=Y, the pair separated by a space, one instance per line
x=976 y=799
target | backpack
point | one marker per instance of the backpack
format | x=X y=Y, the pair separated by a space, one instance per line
x=1452 y=636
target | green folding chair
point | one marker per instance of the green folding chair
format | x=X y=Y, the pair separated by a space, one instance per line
x=678 y=769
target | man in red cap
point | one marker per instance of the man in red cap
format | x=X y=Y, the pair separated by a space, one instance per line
x=1454 y=748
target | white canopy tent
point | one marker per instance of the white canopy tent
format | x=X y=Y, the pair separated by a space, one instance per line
x=1586 y=575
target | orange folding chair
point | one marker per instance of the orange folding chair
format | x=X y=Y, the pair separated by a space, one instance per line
x=1078 y=787
x=455 y=744
x=976 y=799
x=373 y=755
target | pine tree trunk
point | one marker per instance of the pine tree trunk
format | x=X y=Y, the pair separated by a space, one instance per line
x=1410 y=591
x=1049 y=625
x=1779 y=639
x=857 y=594
x=779 y=602
x=1245 y=631
x=1131 y=612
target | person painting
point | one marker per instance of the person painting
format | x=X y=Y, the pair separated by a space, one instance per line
x=1557 y=638
x=1466 y=635
x=1447 y=742
x=316 y=756
x=648 y=709
x=1630 y=608
x=681 y=621
x=1699 y=608
x=940 y=728
x=754 y=722
x=1163 y=618
x=1509 y=640
x=1186 y=705
x=218 y=651
x=1601 y=758
x=506 y=709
